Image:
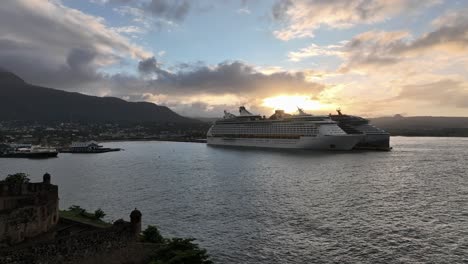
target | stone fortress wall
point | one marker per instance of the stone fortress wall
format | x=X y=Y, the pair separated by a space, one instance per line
x=31 y=231
x=27 y=210
x=116 y=244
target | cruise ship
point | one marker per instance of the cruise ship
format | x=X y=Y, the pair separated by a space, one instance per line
x=374 y=137
x=281 y=130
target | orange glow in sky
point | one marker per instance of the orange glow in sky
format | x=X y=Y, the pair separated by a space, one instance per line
x=290 y=103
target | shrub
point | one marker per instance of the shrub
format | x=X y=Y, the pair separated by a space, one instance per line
x=151 y=234
x=17 y=178
x=181 y=251
x=77 y=209
x=99 y=214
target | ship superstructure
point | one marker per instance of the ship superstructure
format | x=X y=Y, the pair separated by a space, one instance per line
x=374 y=137
x=281 y=130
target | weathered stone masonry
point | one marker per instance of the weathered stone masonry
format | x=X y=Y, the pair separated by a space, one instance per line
x=27 y=210
x=76 y=248
x=31 y=231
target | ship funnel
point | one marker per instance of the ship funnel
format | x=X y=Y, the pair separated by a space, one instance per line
x=244 y=112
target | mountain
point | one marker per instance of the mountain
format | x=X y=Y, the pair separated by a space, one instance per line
x=22 y=101
x=423 y=125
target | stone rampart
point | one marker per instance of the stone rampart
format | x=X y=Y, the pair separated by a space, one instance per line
x=115 y=244
x=27 y=210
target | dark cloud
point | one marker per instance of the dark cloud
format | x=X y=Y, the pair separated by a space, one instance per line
x=280 y=8
x=77 y=69
x=377 y=48
x=170 y=9
x=227 y=77
x=151 y=67
x=445 y=37
x=49 y=44
x=148 y=66
x=120 y=2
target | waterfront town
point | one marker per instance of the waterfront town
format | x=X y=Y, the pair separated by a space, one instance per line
x=63 y=134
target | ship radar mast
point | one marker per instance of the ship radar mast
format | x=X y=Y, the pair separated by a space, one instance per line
x=339 y=111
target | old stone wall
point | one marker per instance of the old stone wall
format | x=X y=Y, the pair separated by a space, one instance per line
x=116 y=244
x=29 y=233
x=26 y=211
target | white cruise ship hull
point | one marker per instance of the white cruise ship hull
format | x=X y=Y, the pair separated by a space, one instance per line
x=322 y=142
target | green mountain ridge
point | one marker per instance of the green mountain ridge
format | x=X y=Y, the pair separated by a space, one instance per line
x=26 y=102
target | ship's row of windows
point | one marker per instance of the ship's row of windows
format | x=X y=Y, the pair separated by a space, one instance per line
x=252 y=136
x=333 y=130
x=260 y=133
x=264 y=130
x=287 y=125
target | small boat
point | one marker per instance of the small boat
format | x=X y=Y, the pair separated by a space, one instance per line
x=27 y=151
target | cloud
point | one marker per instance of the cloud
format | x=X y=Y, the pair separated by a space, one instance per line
x=312 y=51
x=300 y=18
x=152 y=13
x=451 y=34
x=380 y=48
x=385 y=70
x=376 y=48
x=225 y=78
x=153 y=70
x=205 y=90
x=129 y=30
x=441 y=92
x=50 y=44
x=169 y=9
x=244 y=11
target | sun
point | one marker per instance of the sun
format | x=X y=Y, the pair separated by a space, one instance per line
x=290 y=103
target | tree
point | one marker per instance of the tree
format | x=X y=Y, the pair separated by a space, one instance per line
x=17 y=178
x=99 y=214
x=181 y=251
x=151 y=234
x=77 y=209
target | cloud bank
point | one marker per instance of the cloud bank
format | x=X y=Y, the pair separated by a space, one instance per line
x=396 y=68
x=300 y=18
x=48 y=43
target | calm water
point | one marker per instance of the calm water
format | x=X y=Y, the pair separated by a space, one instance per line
x=409 y=205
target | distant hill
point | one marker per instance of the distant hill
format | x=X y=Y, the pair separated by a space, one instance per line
x=22 y=101
x=423 y=125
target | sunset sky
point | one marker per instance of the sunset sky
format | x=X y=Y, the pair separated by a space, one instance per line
x=369 y=58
